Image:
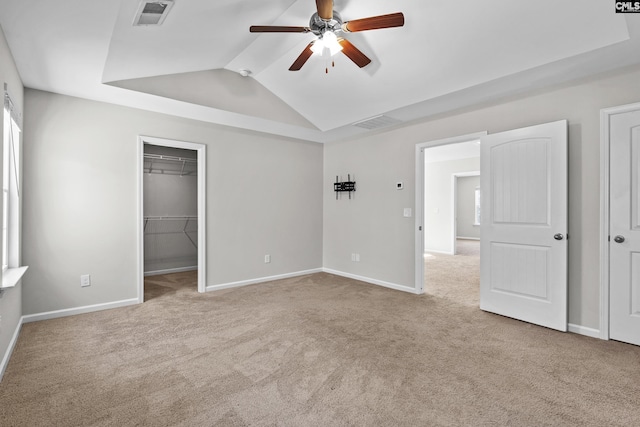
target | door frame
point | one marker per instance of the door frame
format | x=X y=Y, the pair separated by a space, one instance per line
x=202 y=204
x=419 y=199
x=605 y=167
x=454 y=201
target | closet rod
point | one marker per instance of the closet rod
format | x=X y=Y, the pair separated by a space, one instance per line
x=170 y=158
x=185 y=218
x=170 y=217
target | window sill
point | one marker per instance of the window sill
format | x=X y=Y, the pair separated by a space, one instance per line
x=11 y=277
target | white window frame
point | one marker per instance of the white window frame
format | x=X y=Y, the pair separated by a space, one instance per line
x=12 y=271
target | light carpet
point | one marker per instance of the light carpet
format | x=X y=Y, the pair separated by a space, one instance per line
x=316 y=350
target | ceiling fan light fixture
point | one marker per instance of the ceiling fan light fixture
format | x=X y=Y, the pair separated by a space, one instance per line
x=318 y=47
x=331 y=42
x=324 y=24
x=327 y=41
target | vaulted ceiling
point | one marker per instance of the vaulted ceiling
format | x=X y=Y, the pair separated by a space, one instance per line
x=448 y=55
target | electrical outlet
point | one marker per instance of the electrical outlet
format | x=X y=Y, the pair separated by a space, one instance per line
x=357 y=257
x=85 y=280
x=267 y=259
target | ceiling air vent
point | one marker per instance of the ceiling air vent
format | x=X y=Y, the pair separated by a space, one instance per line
x=152 y=12
x=377 y=122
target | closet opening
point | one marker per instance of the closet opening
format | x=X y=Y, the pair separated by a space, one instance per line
x=171 y=217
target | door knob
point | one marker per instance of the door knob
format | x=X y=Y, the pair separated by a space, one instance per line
x=558 y=236
x=619 y=239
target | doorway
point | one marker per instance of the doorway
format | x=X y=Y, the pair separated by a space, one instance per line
x=466 y=211
x=171 y=212
x=523 y=270
x=447 y=265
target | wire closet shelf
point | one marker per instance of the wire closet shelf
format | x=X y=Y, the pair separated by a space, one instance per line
x=170 y=165
x=185 y=229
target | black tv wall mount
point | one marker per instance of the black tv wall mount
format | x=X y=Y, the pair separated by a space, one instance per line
x=344 y=186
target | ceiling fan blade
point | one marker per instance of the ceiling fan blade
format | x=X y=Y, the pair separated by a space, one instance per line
x=325 y=9
x=277 y=29
x=302 y=59
x=374 y=23
x=354 y=53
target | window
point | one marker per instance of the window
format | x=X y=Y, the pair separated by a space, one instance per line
x=10 y=193
x=476 y=220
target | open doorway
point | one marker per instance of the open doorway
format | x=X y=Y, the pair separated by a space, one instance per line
x=466 y=211
x=449 y=195
x=172 y=218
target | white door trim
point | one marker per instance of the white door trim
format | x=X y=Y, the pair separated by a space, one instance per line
x=454 y=201
x=605 y=144
x=202 y=205
x=419 y=199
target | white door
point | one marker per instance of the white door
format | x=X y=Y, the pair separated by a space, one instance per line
x=523 y=242
x=624 y=230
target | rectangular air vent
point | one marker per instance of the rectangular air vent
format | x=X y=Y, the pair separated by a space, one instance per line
x=152 y=12
x=377 y=122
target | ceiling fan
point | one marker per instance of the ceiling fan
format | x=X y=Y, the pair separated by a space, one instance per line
x=327 y=24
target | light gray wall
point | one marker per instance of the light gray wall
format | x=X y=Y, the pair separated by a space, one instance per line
x=11 y=301
x=166 y=247
x=264 y=196
x=373 y=222
x=466 y=207
x=438 y=202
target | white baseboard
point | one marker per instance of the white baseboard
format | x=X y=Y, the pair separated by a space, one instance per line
x=12 y=344
x=438 y=252
x=78 y=310
x=583 y=330
x=261 y=280
x=373 y=281
x=170 y=270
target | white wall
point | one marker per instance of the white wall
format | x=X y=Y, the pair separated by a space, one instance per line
x=466 y=207
x=438 y=202
x=264 y=196
x=11 y=301
x=373 y=224
x=166 y=247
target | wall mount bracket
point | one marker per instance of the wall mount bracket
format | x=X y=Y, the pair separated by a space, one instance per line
x=344 y=186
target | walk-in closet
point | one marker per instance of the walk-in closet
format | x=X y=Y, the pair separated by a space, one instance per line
x=170 y=204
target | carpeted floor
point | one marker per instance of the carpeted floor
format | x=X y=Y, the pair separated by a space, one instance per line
x=455 y=278
x=317 y=350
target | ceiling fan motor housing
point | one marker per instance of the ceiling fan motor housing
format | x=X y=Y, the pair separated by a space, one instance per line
x=320 y=26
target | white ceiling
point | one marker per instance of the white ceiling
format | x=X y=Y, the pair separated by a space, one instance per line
x=448 y=55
